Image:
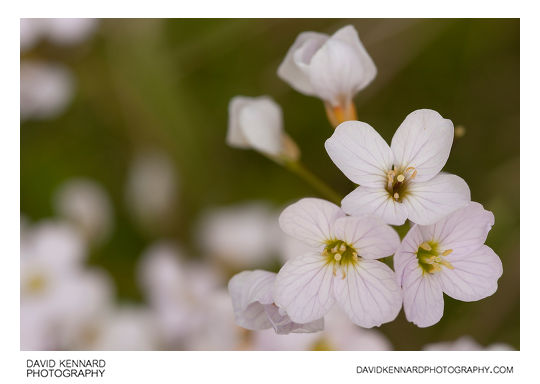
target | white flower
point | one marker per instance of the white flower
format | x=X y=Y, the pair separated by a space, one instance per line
x=341 y=267
x=242 y=236
x=450 y=257
x=85 y=203
x=254 y=308
x=333 y=68
x=402 y=180
x=62 y=31
x=257 y=123
x=46 y=90
x=152 y=189
x=466 y=343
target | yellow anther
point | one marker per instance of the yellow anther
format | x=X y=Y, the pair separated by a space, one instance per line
x=334 y=270
x=446 y=264
x=337 y=257
x=355 y=254
x=342 y=248
x=396 y=195
x=335 y=249
x=400 y=178
x=325 y=252
x=447 y=252
x=343 y=275
x=425 y=246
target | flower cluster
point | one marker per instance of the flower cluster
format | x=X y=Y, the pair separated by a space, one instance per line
x=399 y=183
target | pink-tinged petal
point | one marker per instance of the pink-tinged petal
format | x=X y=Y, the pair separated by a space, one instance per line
x=371 y=237
x=423 y=141
x=430 y=201
x=293 y=69
x=406 y=254
x=310 y=220
x=368 y=294
x=250 y=291
x=374 y=202
x=422 y=296
x=304 y=288
x=360 y=153
x=283 y=325
x=462 y=231
x=474 y=276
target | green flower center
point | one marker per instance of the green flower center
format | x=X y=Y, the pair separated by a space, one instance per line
x=430 y=259
x=340 y=254
x=397 y=181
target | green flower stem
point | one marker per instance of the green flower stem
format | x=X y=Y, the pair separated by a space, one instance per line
x=300 y=170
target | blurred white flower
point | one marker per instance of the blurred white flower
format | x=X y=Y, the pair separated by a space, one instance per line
x=126 y=328
x=151 y=189
x=257 y=123
x=59 y=297
x=333 y=68
x=269 y=340
x=86 y=205
x=60 y=31
x=254 y=308
x=192 y=311
x=466 y=343
x=242 y=236
x=46 y=89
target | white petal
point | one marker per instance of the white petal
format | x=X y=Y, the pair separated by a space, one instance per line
x=376 y=202
x=293 y=68
x=423 y=141
x=474 y=276
x=430 y=201
x=360 y=153
x=304 y=288
x=369 y=293
x=371 y=237
x=463 y=231
x=283 y=325
x=341 y=67
x=310 y=220
x=422 y=296
x=256 y=123
x=249 y=291
x=406 y=253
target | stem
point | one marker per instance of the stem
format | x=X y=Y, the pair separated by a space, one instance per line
x=300 y=170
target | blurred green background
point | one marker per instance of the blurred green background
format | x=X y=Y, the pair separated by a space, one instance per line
x=166 y=84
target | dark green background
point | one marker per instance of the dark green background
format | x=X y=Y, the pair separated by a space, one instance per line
x=167 y=84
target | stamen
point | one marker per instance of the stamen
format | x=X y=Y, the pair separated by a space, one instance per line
x=342 y=248
x=425 y=246
x=447 y=252
x=396 y=195
x=446 y=264
x=337 y=257
x=400 y=178
x=414 y=174
x=335 y=249
x=355 y=254
x=325 y=252
x=334 y=270
x=343 y=274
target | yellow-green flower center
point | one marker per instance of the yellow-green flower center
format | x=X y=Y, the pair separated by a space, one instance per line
x=340 y=254
x=397 y=181
x=431 y=259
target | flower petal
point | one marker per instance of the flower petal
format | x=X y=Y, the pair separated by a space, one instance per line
x=422 y=296
x=293 y=68
x=430 y=201
x=310 y=220
x=371 y=237
x=376 y=202
x=283 y=325
x=341 y=67
x=249 y=291
x=406 y=253
x=463 y=231
x=369 y=293
x=423 y=141
x=360 y=153
x=474 y=276
x=304 y=288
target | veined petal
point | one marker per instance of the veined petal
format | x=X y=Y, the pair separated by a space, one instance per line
x=369 y=235
x=283 y=325
x=250 y=291
x=376 y=202
x=422 y=296
x=423 y=141
x=369 y=293
x=474 y=276
x=304 y=288
x=310 y=220
x=406 y=254
x=463 y=231
x=293 y=68
x=430 y=201
x=360 y=153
